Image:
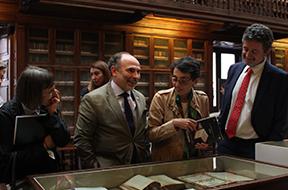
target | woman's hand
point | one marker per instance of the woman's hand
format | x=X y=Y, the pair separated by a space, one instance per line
x=54 y=101
x=185 y=123
x=201 y=146
x=48 y=142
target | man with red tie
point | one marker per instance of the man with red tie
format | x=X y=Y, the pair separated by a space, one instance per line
x=255 y=106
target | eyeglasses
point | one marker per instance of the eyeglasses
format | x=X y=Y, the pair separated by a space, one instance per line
x=181 y=81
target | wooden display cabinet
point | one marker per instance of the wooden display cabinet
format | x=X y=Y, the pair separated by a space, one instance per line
x=65 y=83
x=180 y=48
x=279 y=57
x=156 y=55
x=144 y=84
x=161 y=81
x=38 y=46
x=161 y=53
x=89 y=47
x=141 y=49
x=113 y=42
x=65 y=48
x=68 y=55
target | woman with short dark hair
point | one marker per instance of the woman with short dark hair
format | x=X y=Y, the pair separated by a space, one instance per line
x=173 y=114
x=35 y=94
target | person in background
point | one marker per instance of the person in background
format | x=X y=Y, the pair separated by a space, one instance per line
x=255 y=105
x=2 y=75
x=35 y=93
x=173 y=113
x=111 y=126
x=99 y=74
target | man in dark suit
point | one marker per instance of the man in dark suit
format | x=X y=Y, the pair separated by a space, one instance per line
x=262 y=114
x=106 y=133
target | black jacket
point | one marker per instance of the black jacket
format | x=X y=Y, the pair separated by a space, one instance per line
x=29 y=159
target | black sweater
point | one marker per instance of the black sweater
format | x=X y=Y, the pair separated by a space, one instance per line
x=32 y=158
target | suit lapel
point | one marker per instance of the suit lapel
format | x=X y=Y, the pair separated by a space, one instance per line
x=262 y=86
x=139 y=109
x=235 y=75
x=115 y=107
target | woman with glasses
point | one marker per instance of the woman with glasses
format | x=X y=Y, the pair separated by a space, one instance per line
x=35 y=95
x=173 y=114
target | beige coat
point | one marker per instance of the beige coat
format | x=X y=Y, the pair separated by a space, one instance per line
x=167 y=142
x=102 y=135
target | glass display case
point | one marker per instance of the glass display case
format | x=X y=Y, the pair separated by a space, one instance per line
x=274 y=152
x=239 y=174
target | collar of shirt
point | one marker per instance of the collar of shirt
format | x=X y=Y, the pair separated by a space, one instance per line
x=257 y=69
x=118 y=91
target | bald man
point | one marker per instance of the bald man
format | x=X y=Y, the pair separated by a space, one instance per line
x=105 y=135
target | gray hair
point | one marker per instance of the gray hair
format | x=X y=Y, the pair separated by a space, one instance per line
x=259 y=33
x=115 y=59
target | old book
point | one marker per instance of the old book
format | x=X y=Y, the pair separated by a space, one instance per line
x=209 y=130
x=157 y=182
x=228 y=176
x=213 y=179
x=168 y=183
x=202 y=180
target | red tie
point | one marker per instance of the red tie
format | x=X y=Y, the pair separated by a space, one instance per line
x=235 y=114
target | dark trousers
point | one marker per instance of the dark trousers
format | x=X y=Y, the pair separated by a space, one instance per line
x=238 y=147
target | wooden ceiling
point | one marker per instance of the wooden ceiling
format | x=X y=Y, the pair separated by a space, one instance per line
x=131 y=11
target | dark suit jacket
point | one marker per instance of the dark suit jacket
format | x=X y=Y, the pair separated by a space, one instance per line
x=269 y=115
x=102 y=134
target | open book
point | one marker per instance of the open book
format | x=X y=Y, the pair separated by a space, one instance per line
x=156 y=182
x=28 y=129
x=213 y=179
x=209 y=130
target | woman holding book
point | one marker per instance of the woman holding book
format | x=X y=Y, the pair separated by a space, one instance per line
x=35 y=95
x=173 y=114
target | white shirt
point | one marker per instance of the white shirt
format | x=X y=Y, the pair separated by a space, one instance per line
x=118 y=91
x=1 y=101
x=245 y=129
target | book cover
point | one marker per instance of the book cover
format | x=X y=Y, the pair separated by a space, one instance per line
x=212 y=130
x=28 y=129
